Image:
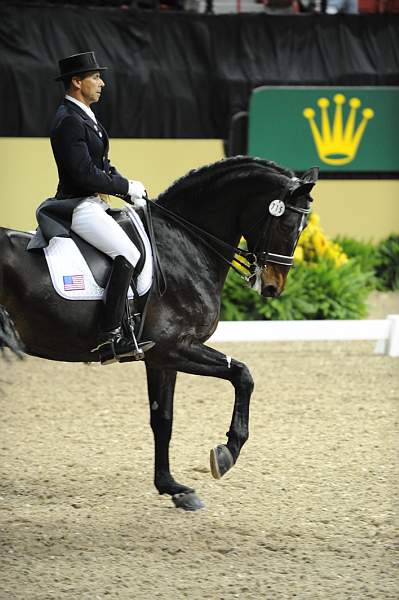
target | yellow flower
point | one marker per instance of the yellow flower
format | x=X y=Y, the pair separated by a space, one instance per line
x=314 y=219
x=320 y=243
x=313 y=243
x=299 y=254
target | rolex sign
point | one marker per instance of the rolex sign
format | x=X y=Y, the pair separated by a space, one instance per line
x=354 y=129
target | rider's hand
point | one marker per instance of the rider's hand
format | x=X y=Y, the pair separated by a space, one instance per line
x=138 y=203
x=136 y=190
x=137 y=194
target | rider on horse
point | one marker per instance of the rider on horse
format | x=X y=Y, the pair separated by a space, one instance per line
x=86 y=177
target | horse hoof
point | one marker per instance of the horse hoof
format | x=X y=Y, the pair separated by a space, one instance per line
x=221 y=461
x=188 y=501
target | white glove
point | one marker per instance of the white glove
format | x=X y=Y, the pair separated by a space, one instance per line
x=137 y=193
x=136 y=189
x=138 y=203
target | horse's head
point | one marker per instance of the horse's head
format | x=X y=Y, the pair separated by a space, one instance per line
x=273 y=238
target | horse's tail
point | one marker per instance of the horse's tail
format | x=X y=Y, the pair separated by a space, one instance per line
x=9 y=337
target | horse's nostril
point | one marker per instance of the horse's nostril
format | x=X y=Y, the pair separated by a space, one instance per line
x=270 y=291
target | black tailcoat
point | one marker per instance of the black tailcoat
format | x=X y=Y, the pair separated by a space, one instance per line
x=80 y=148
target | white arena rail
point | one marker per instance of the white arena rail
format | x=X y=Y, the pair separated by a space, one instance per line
x=385 y=331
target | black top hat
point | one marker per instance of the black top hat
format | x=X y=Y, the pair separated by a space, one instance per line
x=78 y=63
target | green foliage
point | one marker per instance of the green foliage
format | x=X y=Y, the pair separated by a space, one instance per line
x=239 y=303
x=363 y=253
x=321 y=287
x=387 y=267
x=381 y=259
x=313 y=291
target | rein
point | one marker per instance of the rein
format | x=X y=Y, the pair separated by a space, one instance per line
x=201 y=234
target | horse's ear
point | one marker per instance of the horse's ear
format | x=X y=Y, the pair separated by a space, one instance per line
x=311 y=175
x=302 y=189
x=305 y=184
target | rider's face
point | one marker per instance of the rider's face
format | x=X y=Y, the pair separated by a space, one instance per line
x=89 y=87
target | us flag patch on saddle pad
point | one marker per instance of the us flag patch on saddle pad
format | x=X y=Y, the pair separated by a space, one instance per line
x=74 y=282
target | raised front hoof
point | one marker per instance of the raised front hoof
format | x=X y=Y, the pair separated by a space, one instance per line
x=189 y=501
x=221 y=461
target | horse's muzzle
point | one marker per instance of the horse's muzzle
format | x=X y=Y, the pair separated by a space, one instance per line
x=270 y=291
x=273 y=278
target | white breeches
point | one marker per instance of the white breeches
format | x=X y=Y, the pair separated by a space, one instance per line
x=95 y=226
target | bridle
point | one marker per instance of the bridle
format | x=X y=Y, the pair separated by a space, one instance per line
x=276 y=209
x=255 y=261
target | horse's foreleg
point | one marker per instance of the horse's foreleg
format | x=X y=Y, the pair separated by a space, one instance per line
x=161 y=388
x=224 y=456
x=202 y=360
x=238 y=433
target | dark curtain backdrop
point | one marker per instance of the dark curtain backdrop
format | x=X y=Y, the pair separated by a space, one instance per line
x=178 y=74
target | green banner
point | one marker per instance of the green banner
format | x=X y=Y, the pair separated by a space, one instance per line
x=337 y=128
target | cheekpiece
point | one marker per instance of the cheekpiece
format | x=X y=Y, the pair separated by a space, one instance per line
x=276 y=208
x=78 y=63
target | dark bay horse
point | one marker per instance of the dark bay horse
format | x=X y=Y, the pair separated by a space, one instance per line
x=241 y=196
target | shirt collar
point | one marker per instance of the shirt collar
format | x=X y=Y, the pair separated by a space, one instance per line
x=85 y=108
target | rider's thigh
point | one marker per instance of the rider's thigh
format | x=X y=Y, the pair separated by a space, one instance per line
x=95 y=226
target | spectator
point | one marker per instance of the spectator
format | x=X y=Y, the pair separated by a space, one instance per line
x=329 y=7
x=279 y=7
x=334 y=7
x=209 y=6
x=192 y=5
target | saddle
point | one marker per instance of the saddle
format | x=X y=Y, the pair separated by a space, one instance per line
x=80 y=271
x=98 y=262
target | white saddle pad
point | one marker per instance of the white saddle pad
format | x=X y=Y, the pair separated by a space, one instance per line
x=71 y=276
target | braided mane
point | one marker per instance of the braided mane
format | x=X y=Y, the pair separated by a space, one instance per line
x=212 y=177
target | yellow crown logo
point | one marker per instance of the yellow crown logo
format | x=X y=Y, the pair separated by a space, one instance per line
x=337 y=145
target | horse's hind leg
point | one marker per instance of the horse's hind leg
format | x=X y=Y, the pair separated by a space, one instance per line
x=161 y=388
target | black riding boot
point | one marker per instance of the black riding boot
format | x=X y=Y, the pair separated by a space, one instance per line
x=113 y=345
